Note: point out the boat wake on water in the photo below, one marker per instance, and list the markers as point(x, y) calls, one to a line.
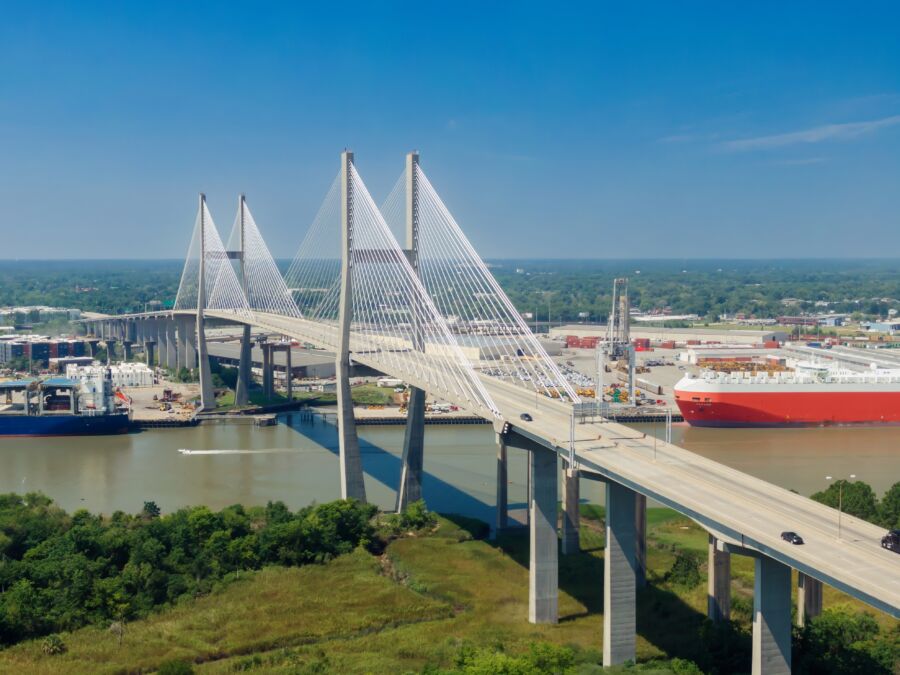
point(186, 451)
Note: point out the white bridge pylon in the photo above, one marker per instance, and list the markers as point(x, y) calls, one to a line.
point(446, 323)
point(469, 298)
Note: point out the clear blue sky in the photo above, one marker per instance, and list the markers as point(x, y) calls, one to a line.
point(551, 130)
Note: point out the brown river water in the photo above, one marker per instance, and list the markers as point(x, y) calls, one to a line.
point(296, 462)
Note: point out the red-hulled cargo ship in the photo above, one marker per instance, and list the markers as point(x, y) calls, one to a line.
point(811, 395)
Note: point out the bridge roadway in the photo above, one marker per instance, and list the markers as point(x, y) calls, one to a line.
point(739, 509)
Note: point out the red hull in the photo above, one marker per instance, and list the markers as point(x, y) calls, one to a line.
point(774, 409)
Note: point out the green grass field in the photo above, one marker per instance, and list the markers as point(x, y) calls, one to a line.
point(409, 608)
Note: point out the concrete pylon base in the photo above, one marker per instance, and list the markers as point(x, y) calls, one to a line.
point(207, 395)
point(412, 459)
point(352, 483)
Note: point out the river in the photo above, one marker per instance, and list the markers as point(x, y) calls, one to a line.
point(296, 462)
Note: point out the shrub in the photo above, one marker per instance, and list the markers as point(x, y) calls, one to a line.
point(52, 645)
point(175, 667)
point(685, 569)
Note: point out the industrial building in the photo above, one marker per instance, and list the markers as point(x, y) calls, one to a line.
point(123, 375)
point(305, 363)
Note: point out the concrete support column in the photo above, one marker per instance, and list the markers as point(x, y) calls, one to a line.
point(242, 390)
point(190, 344)
point(150, 352)
point(162, 347)
point(771, 618)
point(288, 374)
point(126, 350)
point(412, 459)
point(619, 590)
point(171, 345)
point(543, 568)
point(502, 485)
point(181, 345)
point(110, 350)
point(718, 588)
point(571, 516)
point(809, 598)
point(352, 483)
point(267, 375)
point(640, 540)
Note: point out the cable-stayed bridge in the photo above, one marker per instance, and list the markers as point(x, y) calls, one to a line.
point(430, 313)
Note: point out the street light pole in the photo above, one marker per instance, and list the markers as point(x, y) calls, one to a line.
point(840, 500)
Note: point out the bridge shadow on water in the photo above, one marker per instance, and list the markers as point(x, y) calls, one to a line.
point(384, 466)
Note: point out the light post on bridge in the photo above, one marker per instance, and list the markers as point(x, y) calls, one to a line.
point(840, 483)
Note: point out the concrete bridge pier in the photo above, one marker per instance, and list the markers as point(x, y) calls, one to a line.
point(771, 618)
point(718, 589)
point(502, 521)
point(126, 350)
point(207, 395)
point(162, 338)
point(412, 459)
point(352, 482)
point(288, 373)
point(571, 516)
point(640, 540)
point(190, 343)
point(150, 352)
point(268, 375)
point(180, 344)
point(809, 598)
point(110, 350)
point(619, 583)
point(543, 567)
point(171, 345)
point(242, 389)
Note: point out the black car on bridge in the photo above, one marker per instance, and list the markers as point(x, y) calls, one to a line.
point(891, 541)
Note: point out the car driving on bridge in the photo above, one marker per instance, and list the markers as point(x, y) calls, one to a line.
point(792, 537)
point(891, 541)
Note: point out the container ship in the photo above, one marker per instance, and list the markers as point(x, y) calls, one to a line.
point(809, 395)
point(60, 406)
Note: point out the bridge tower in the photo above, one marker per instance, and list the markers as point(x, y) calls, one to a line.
point(352, 485)
point(241, 393)
point(207, 397)
point(412, 460)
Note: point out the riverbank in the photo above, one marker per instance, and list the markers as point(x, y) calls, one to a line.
point(421, 603)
